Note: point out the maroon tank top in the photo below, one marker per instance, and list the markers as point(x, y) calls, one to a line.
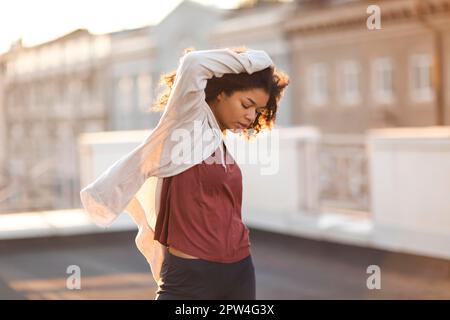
point(200, 212)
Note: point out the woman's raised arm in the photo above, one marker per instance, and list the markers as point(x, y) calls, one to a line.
point(196, 67)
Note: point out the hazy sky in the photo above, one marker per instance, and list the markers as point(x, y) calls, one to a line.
point(43, 20)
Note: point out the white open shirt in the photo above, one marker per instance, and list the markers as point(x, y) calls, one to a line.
point(133, 183)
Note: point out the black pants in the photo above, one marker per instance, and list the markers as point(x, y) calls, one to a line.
point(192, 279)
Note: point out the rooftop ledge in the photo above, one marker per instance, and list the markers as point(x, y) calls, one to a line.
point(433, 132)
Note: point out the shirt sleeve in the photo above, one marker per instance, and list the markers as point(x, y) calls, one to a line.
point(198, 66)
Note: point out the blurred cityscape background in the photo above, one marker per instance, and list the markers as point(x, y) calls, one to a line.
point(364, 145)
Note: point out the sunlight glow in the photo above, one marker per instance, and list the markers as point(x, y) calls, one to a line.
point(44, 20)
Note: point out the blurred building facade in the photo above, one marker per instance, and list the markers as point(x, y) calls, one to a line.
point(345, 79)
point(130, 80)
point(188, 25)
point(51, 93)
point(2, 133)
point(349, 79)
point(80, 82)
point(139, 57)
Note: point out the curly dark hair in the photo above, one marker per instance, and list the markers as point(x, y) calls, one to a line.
point(271, 80)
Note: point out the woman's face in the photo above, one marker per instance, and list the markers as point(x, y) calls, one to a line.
point(239, 110)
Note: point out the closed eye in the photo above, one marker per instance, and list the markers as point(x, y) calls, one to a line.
point(258, 109)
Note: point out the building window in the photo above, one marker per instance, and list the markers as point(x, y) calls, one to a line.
point(125, 86)
point(421, 81)
point(144, 83)
point(383, 87)
point(40, 146)
point(349, 82)
point(317, 84)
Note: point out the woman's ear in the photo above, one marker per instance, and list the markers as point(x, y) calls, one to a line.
point(220, 96)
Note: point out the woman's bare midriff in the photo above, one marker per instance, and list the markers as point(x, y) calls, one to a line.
point(181, 254)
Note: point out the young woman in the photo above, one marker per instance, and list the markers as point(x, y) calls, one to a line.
point(189, 212)
point(214, 262)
